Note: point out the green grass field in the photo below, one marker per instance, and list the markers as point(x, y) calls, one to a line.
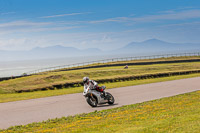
point(173, 114)
point(138, 61)
point(9, 97)
point(47, 80)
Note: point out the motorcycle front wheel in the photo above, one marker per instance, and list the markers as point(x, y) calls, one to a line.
point(111, 99)
point(91, 101)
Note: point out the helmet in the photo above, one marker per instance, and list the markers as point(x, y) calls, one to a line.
point(85, 80)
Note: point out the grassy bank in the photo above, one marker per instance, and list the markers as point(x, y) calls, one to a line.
point(173, 114)
point(47, 80)
point(135, 60)
point(39, 94)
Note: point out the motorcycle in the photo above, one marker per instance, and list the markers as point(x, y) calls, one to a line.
point(94, 97)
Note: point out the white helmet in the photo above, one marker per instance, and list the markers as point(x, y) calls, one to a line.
point(85, 80)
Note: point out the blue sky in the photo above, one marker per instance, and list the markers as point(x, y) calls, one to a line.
point(104, 24)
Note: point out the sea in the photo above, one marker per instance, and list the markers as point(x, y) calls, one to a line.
point(17, 68)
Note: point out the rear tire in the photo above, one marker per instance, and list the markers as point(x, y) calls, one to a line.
point(92, 102)
point(111, 99)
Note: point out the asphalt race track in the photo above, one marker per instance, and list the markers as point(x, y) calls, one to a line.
point(41, 109)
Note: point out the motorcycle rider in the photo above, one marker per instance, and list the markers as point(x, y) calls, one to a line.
point(92, 85)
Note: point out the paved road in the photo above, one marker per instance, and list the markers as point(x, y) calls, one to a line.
point(36, 110)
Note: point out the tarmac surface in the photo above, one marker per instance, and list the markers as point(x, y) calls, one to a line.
point(41, 109)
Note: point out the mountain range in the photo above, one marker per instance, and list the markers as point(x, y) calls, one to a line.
point(158, 46)
point(57, 51)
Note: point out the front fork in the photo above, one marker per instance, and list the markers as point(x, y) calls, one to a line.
point(92, 97)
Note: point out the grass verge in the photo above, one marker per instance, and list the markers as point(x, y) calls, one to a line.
point(39, 94)
point(173, 114)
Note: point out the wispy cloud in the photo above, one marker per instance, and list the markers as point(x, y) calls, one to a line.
point(62, 15)
point(167, 15)
point(23, 23)
point(117, 19)
point(177, 10)
point(28, 26)
point(182, 15)
point(6, 13)
point(49, 29)
point(182, 24)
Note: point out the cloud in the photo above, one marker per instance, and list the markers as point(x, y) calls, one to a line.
point(6, 13)
point(28, 26)
point(23, 23)
point(117, 19)
point(196, 23)
point(101, 40)
point(16, 35)
point(62, 15)
point(166, 15)
point(182, 15)
point(177, 10)
point(13, 43)
point(49, 29)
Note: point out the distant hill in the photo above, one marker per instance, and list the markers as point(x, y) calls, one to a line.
point(56, 51)
point(157, 46)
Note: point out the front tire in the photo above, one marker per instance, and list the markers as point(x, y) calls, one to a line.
point(111, 99)
point(91, 101)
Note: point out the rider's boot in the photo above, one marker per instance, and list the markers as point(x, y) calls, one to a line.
point(104, 94)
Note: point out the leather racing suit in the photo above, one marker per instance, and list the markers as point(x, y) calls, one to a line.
point(93, 85)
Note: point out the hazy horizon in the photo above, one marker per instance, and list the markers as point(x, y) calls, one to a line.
point(97, 48)
point(152, 46)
